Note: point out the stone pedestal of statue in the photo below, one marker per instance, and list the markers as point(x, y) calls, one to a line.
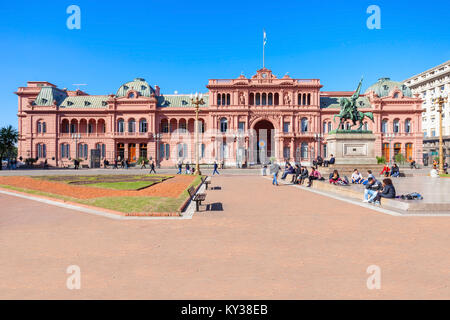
point(352, 147)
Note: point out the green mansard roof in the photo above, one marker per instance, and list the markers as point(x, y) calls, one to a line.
point(48, 95)
point(178, 100)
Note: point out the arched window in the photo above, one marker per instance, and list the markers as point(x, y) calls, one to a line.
point(251, 99)
point(223, 125)
point(73, 126)
point(276, 98)
point(264, 99)
point(304, 124)
point(131, 125)
point(41, 127)
point(324, 127)
point(396, 126)
point(120, 125)
point(65, 126)
point(309, 99)
point(270, 98)
point(182, 126)
point(304, 99)
point(143, 126)
point(64, 150)
point(228, 99)
point(304, 150)
point(120, 151)
point(258, 99)
point(223, 99)
point(164, 126)
point(219, 99)
point(408, 126)
point(329, 126)
point(299, 98)
point(384, 126)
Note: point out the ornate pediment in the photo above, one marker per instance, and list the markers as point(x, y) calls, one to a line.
point(264, 74)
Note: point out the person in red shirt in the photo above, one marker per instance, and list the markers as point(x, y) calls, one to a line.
point(385, 171)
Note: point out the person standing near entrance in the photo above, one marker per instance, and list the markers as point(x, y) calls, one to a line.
point(152, 167)
point(274, 169)
point(215, 168)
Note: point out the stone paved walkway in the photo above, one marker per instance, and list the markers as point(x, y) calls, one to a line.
point(266, 242)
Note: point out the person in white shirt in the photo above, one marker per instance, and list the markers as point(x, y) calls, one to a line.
point(434, 173)
point(357, 177)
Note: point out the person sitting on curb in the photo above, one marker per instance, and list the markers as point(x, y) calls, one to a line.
point(326, 163)
point(385, 171)
point(388, 191)
point(357, 177)
point(288, 170)
point(334, 177)
point(395, 171)
point(274, 169)
point(297, 172)
point(371, 189)
point(314, 175)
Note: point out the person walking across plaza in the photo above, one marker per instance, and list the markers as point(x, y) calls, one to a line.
point(180, 167)
point(215, 168)
point(274, 170)
point(152, 167)
point(187, 168)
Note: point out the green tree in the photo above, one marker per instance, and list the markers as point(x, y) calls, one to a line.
point(8, 139)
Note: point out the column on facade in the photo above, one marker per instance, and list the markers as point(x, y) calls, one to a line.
point(291, 149)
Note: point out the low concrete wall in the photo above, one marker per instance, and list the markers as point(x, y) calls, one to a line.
point(405, 205)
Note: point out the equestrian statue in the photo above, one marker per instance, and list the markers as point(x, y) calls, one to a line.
point(349, 110)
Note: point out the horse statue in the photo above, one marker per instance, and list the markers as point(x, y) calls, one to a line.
point(349, 110)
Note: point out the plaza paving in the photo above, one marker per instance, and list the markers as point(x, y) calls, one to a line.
point(257, 242)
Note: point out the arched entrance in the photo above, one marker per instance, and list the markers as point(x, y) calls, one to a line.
point(264, 140)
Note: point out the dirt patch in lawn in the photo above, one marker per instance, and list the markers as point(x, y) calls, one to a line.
point(171, 188)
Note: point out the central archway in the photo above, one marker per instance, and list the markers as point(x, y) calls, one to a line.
point(264, 140)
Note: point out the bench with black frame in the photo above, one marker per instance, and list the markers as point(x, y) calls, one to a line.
point(206, 182)
point(198, 198)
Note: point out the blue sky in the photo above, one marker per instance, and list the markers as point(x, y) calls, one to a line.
point(179, 45)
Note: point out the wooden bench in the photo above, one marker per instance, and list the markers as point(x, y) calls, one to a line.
point(206, 182)
point(198, 198)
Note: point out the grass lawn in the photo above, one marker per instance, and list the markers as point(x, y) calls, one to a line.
point(122, 204)
point(445, 175)
point(126, 185)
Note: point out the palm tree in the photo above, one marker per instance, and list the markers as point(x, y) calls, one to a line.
point(8, 140)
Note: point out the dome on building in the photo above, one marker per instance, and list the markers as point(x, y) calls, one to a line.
point(139, 85)
point(385, 85)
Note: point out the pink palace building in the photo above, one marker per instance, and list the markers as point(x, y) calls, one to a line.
point(244, 122)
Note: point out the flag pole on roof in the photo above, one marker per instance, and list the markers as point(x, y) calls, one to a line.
point(264, 44)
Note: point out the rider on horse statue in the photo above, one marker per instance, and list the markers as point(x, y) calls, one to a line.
point(349, 110)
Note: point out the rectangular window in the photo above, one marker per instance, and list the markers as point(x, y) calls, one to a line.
point(165, 127)
point(286, 152)
point(161, 151)
point(286, 126)
point(241, 126)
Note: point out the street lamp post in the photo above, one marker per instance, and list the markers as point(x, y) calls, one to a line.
point(440, 102)
point(197, 100)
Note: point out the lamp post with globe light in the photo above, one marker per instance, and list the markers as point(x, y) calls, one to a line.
point(440, 102)
point(197, 101)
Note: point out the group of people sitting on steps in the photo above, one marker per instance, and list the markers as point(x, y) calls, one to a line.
point(300, 174)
